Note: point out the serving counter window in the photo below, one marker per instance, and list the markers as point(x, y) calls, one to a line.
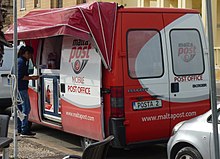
point(50, 76)
point(51, 53)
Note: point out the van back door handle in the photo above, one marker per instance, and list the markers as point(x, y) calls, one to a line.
point(4, 75)
point(62, 88)
point(174, 87)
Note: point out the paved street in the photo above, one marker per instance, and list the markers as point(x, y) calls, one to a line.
point(61, 143)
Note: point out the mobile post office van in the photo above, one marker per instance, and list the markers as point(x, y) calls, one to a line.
point(130, 72)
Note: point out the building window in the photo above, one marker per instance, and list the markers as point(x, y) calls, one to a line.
point(56, 3)
point(36, 3)
point(60, 3)
point(53, 4)
point(81, 1)
point(23, 4)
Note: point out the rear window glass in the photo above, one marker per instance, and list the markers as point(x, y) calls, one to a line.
point(6, 59)
point(187, 52)
point(144, 54)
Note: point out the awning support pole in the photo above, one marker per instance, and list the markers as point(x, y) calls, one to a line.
point(212, 80)
point(15, 71)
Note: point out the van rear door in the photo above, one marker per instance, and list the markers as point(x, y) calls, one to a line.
point(189, 83)
point(146, 88)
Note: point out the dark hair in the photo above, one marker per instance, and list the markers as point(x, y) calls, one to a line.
point(23, 49)
point(29, 49)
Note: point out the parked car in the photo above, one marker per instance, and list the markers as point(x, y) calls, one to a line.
point(6, 65)
point(193, 139)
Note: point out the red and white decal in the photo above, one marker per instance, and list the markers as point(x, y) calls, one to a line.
point(80, 71)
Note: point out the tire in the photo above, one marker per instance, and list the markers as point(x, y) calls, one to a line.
point(188, 153)
point(85, 142)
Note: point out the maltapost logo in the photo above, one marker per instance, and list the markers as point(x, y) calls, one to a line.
point(186, 51)
point(79, 55)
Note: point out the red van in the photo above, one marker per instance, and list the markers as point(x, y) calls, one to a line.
point(130, 72)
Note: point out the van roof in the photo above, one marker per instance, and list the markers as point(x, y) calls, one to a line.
point(157, 10)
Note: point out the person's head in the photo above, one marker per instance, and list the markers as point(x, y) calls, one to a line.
point(21, 51)
point(26, 52)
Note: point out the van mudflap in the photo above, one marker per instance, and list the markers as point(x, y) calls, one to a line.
point(117, 128)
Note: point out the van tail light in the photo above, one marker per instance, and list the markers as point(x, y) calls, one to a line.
point(117, 102)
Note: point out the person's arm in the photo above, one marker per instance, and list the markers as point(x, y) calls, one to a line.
point(21, 73)
point(30, 78)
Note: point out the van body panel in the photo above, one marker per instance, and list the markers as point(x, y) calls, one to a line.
point(81, 99)
point(34, 114)
point(188, 65)
point(160, 88)
point(140, 87)
point(113, 78)
point(87, 122)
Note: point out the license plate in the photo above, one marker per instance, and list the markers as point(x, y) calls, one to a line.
point(147, 104)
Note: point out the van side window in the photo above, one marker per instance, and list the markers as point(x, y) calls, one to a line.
point(187, 52)
point(6, 57)
point(144, 51)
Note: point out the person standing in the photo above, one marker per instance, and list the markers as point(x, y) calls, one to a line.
point(24, 54)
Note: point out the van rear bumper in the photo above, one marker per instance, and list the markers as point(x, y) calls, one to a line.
point(117, 128)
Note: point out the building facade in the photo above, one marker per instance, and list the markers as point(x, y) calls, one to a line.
point(25, 6)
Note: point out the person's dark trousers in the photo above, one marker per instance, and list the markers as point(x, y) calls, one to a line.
point(23, 126)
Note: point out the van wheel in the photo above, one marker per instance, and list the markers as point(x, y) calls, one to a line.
point(188, 153)
point(85, 142)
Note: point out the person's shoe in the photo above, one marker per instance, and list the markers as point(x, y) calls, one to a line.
point(18, 133)
point(30, 134)
point(18, 137)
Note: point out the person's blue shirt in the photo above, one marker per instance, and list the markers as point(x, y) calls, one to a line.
point(22, 71)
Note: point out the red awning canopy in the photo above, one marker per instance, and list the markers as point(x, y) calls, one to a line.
point(96, 20)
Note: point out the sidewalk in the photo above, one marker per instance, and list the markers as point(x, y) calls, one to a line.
point(28, 148)
point(32, 150)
